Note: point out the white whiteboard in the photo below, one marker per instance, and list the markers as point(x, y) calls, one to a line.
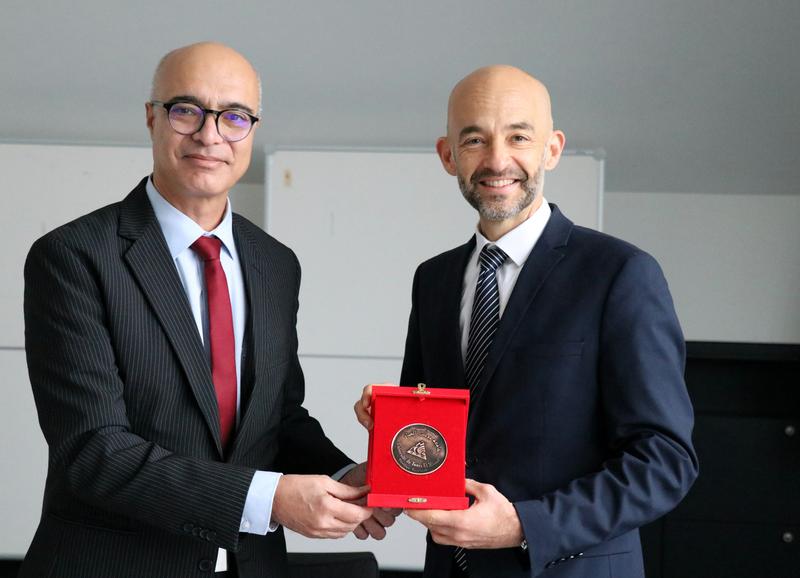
point(47, 186)
point(23, 458)
point(360, 223)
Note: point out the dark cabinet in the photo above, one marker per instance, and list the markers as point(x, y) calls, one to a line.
point(702, 549)
point(742, 516)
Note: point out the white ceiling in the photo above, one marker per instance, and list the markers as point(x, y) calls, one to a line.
point(683, 95)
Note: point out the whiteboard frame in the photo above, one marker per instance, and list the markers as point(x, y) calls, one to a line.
point(345, 371)
point(576, 186)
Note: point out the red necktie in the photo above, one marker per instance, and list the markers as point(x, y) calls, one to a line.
point(220, 330)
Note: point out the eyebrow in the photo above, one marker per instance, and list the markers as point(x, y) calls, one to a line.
point(522, 126)
point(469, 130)
point(222, 106)
point(514, 126)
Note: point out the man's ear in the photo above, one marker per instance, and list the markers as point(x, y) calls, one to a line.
point(446, 155)
point(150, 114)
point(555, 146)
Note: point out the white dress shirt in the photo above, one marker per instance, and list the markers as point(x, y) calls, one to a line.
point(517, 244)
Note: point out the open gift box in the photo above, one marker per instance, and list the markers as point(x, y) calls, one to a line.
point(417, 448)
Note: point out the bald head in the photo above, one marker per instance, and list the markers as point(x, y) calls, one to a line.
point(500, 141)
point(208, 55)
point(495, 87)
point(195, 170)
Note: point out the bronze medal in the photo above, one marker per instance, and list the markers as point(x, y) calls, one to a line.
point(419, 449)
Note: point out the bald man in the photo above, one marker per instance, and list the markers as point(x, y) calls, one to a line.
point(579, 427)
point(161, 346)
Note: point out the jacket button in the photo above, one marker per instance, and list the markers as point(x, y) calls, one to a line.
point(187, 528)
point(211, 535)
point(788, 537)
point(206, 565)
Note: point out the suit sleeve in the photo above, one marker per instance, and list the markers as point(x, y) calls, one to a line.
point(648, 420)
point(81, 405)
point(304, 448)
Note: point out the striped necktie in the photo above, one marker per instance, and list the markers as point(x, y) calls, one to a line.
point(482, 327)
point(485, 314)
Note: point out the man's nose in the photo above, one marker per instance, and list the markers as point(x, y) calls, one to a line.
point(208, 133)
point(498, 157)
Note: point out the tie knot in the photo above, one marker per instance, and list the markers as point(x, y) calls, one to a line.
point(207, 248)
point(491, 257)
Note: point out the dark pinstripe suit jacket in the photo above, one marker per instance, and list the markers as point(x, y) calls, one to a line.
point(137, 482)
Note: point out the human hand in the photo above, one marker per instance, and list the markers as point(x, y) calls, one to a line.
point(381, 519)
point(318, 507)
point(363, 407)
point(490, 522)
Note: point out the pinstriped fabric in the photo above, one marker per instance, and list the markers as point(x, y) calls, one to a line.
point(137, 484)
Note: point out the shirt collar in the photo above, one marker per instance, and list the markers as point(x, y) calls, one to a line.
point(180, 231)
point(519, 241)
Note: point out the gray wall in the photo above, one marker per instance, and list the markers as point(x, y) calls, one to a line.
point(731, 260)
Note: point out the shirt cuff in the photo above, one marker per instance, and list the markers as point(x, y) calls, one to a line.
point(257, 513)
point(341, 473)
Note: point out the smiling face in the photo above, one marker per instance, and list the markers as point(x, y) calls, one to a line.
point(198, 168)
point(500, 141)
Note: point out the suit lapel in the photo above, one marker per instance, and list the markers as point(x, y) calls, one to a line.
point(151, 264)
point(450, 311)
point(541, 262)
point(258, 344)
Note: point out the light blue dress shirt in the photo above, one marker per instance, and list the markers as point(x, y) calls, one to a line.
point(180, 232)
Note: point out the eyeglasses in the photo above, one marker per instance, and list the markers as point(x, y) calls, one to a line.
point(187, 118)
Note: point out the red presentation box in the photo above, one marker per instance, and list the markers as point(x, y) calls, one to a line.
point(417, 448)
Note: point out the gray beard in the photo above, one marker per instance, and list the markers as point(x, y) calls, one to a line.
point(492, 212)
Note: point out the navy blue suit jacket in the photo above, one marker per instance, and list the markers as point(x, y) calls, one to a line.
point(581, 418)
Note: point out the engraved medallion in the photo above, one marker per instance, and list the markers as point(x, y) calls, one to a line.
point(419, 449)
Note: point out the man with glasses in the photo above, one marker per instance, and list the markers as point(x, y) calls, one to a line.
point(162, 352)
